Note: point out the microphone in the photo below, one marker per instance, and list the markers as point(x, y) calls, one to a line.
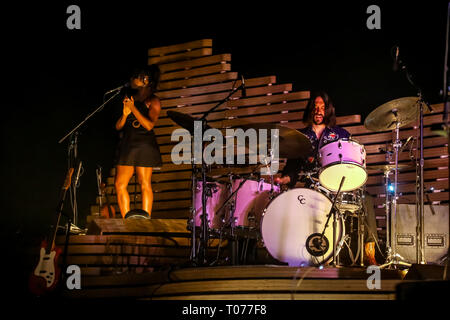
point(396, 61)
point(244, 91)
point(118, 88)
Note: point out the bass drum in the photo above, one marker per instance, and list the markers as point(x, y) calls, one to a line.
point(292, 225)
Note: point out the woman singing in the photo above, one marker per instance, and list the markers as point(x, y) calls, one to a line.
point(137, 146)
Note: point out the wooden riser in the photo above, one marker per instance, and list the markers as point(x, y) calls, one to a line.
point(242, 282)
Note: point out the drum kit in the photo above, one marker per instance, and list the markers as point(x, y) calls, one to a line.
point(301, 226)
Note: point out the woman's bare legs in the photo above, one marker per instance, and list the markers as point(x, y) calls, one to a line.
point(144, 176)
point(123, 176)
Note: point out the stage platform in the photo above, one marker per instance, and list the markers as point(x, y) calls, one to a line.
point(155, 265)
point(250, 282)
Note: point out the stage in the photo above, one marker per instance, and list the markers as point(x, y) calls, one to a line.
point(146, 260)
point(130, 259)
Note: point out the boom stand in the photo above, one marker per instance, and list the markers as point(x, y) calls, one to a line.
point(73, 154)
point(202, 259)
point(420, 213)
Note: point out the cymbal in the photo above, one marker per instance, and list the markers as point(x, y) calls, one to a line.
point(389, 167)
point(385, 117)
point(183, 120)
point(292, 143)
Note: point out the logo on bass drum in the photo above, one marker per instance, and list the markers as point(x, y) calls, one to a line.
point(301, 199)
point(317, 244)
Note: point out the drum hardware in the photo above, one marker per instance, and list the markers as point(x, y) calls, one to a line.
point(333, 212)
point(393, 258)
point(394, 115)
point(191, 221)
point(314, 182)
point(229, 222)
point(406, 110)
point(361, 240)
point(341, 245)
point(189, 123)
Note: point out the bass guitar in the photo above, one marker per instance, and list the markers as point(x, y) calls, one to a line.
point(46, 275)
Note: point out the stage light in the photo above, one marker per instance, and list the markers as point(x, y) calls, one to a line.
point(391, 188)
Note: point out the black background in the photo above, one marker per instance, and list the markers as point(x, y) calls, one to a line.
point(56, 76)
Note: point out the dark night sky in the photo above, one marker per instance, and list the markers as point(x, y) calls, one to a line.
point(58, 76)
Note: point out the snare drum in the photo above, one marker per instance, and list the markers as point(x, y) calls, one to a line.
point(217, 194)
point(250, 201)
point(349, 201)
point(343, 158)
point(292, 225)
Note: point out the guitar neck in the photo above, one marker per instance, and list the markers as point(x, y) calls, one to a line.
point(59, 209)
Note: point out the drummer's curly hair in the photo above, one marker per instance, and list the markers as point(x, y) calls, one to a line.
point(330, 114)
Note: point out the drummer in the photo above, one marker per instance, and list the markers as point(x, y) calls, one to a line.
point(321, 129)
point(320, 120)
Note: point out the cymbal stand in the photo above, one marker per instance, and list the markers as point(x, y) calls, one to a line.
point(361, 218)
point(192, 222)
point(266, 162)
point(393, 258)
point(202, 258)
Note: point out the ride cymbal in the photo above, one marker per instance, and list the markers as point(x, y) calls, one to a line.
point(402, 111)
point(292, 143)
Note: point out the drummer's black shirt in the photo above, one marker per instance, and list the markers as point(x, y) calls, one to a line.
point(311, 161)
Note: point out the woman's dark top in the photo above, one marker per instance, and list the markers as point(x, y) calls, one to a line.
point(138, 146)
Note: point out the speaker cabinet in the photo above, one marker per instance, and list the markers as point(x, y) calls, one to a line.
point(436, 232)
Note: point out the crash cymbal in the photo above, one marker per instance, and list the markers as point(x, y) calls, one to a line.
point(183, 120)
point(292, 143)
point(385, 117)
point(389, 167)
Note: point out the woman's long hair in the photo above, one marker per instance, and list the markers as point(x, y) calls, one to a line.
point(330, 115)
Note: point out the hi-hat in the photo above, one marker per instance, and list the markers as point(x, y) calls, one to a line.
point(183, 120)
point(388, 167)
point(292, 143)
point(402, 111)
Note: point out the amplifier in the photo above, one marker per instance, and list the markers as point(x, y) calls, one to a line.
point(436, 226)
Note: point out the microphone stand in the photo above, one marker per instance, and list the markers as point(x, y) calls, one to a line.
point(89, 116)
point(73, 154)
point(445, 116)
point(420, 220)
point(202, 259)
